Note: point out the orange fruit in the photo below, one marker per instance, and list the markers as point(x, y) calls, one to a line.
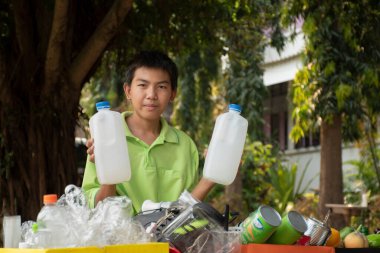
point(334, 238)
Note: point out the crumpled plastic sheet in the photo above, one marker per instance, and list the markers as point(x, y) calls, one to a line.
point(216, 242)
point(109, 223)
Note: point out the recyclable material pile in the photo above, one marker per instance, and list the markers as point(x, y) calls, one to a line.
point(187, 225)
point(70, 223)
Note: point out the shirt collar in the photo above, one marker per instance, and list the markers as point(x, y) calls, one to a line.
point(167, 133)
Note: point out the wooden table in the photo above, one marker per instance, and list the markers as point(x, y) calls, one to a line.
point(347, 210)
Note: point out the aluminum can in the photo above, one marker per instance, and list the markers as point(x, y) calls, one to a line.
point(318, 232)
point(260, 225)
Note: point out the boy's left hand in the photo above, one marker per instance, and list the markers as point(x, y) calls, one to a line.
point(90, 149)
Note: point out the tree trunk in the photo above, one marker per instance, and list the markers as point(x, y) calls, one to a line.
point(39, 97)
point(331, 179)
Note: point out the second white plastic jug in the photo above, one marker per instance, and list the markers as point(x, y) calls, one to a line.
point(111, 150)
point(226, 146)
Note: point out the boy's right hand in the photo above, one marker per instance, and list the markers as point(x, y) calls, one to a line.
point(90, 149)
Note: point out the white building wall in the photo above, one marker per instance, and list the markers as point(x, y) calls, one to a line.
point(313, 154)
point(282, 67)
point(279, 68)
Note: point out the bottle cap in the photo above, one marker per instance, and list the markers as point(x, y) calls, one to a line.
point(35, 227)
point(50, 198)
point(102, 105)
point(234, 107)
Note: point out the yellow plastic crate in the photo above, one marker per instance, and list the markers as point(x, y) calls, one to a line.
point(58, 250)
point(128, 248)
point(138, 248)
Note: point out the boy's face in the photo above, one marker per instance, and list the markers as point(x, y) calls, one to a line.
point(150, 92)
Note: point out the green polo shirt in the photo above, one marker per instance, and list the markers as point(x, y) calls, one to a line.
point(159, 172)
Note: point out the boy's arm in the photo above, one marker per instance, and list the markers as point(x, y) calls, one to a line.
point(94, 191)
point(104, 192)
point(201, 190)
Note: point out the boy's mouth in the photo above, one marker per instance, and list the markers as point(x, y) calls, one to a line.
point(151, 107)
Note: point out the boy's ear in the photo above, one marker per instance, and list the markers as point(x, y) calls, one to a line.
point(127, 90)
point(174, 93)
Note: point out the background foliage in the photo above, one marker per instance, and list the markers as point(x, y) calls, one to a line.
point(335, 90)
point(341, 73)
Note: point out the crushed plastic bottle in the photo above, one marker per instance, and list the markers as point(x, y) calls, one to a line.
point(53, 230)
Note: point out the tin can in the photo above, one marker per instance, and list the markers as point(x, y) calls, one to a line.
point(260, 225)
point(292, 227)
point(318, 232)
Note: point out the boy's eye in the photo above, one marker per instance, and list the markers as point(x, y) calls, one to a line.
point(163, 86)
point(141, 84)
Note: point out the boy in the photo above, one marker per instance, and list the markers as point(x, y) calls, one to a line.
point(164, 160)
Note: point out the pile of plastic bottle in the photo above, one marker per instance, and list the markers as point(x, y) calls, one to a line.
point(68, 222)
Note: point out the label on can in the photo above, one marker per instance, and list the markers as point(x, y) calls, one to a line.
point(257, 228)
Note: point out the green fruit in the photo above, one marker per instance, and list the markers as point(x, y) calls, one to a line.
point(345, 231)
point(374, 240)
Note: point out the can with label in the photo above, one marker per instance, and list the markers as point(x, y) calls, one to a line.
point(292, 227)
point(260, 225)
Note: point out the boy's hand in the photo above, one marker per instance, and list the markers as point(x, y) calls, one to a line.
point(90, 149)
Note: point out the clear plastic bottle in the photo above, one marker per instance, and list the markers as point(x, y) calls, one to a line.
point(111, 150)
point(226, 146)
point(52, 231)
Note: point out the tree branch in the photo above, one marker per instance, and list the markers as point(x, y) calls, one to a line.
point(54, 55)
point(24, 33)
point(98, 41)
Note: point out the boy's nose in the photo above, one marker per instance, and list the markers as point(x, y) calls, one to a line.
point(152, 93)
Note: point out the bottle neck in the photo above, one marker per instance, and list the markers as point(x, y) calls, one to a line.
point(233, 111)
point(103, 109)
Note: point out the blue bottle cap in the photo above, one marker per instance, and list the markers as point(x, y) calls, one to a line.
point(102, 105)
point(234, 107)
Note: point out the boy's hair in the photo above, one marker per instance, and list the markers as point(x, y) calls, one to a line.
point(152, 59)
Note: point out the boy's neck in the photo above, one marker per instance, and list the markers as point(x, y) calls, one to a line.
point(145, 130)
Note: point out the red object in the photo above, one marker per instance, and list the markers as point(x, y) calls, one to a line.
point(174, 250)
point(304, 240)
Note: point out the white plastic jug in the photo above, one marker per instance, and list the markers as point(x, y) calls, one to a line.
point(226, 146)
point(111, 150)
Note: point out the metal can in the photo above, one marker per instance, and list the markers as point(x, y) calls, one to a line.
point(260, 225)
point(318, 232)
point(292, 227)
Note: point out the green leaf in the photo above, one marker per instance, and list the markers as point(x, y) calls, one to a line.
point(330, 68)
point(343, 93)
